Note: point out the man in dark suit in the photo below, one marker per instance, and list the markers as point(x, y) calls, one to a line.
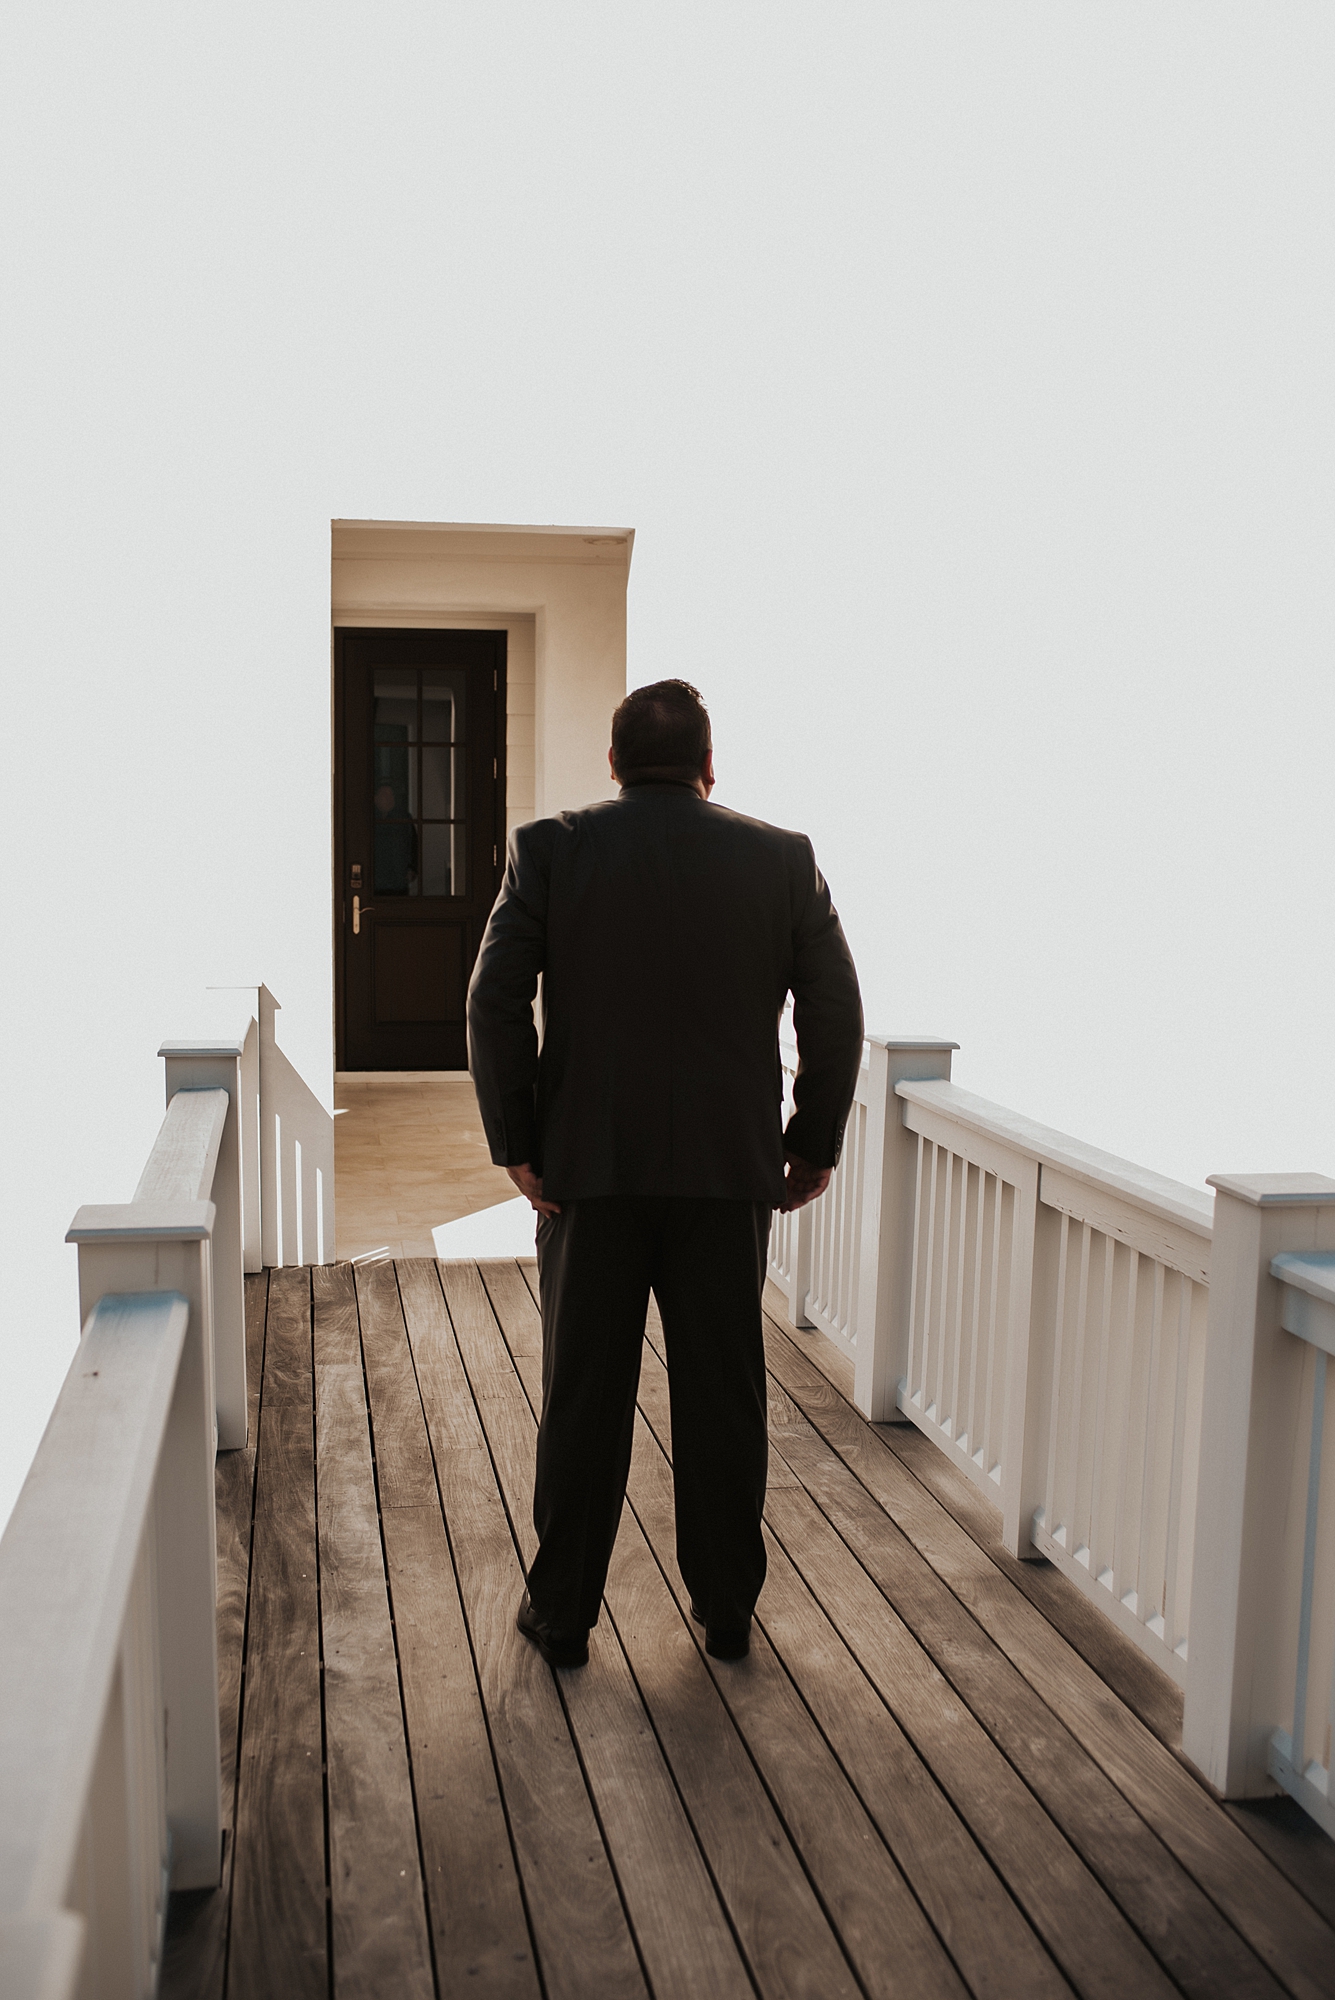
point(648, 1135)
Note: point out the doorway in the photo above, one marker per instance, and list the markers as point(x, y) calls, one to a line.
point(419, 788)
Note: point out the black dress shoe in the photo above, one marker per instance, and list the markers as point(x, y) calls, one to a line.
point(722, 1643)
point(558, 1649)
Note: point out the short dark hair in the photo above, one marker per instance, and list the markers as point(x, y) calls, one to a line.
point(661, 732)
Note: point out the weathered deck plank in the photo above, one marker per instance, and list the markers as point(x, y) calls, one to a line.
point(278, 1941)
point(583, 1940)
point(377, 1912)
point(474, 1896)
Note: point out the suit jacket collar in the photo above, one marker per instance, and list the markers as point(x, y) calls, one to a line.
point(662, 785)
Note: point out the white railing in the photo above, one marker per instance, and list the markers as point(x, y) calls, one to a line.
point(109, 1747)
point(1102, 1351)
point(1056, 1338)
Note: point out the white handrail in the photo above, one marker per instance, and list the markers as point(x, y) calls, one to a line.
point(184, 1158)
point(1171, 1201)
point(83, 1745)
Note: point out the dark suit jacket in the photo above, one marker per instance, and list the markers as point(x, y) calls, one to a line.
point(668, 933)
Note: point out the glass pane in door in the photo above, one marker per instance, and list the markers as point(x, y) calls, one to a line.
point(396, 703)
point(419, 781)
point(444, 698)
point(444, 852)
point(444, 781)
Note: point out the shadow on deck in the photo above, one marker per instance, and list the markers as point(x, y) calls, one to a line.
point(939, 1772)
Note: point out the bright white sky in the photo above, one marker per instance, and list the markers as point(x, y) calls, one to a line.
point(965, 370)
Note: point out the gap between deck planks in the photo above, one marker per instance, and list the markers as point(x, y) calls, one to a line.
point(660, 1822)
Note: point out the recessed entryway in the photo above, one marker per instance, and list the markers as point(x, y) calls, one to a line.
point(476, 669)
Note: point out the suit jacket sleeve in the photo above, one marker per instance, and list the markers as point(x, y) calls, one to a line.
point(827, 1018)
point(502, 1038)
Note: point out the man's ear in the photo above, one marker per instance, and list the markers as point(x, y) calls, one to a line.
point(610, 765)
point(707, 773)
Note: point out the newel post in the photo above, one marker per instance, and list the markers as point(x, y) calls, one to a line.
point(889, 1182)
point(251, 1240)
point(1239, 1659)
point(217, 1065)
point(149, 1246)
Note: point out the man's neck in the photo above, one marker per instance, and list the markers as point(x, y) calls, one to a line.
point(696, 785)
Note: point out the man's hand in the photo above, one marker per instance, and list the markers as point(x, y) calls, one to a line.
point(530, 1186)
point(804, 1183)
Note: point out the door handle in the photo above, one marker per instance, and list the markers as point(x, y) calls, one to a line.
point(358, 912)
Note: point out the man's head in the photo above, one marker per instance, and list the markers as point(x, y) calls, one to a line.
point(660, 734)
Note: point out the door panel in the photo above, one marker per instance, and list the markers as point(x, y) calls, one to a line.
point(419, 973)
point(420, 781)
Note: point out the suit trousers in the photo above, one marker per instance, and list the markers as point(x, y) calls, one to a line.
point(704, 1261)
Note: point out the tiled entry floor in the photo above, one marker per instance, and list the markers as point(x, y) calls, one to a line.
point(408, 1155)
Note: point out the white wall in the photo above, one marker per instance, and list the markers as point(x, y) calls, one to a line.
point(964, 370)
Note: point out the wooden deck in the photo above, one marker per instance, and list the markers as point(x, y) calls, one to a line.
point(938, 1773)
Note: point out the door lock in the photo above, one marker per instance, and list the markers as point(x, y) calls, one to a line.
point(358, 909)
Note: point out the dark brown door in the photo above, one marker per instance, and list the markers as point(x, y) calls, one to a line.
point(420, 780)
